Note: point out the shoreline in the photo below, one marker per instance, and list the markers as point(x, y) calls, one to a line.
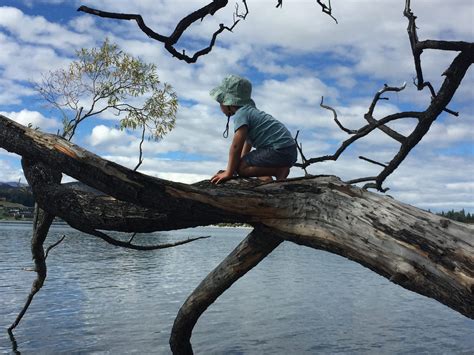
point(30, 221)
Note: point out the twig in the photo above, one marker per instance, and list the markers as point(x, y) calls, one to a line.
point(140, 148)
point(244, 15)
point(327, 9)
point(14, 342)
point(131, 238)
point(128, 245)
point(348, 131)
point(372, 161)
point(364, 179)
point(53, 246)
point(300, 150)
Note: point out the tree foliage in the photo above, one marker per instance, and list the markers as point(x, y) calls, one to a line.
point(108, 79)
point(460, 216)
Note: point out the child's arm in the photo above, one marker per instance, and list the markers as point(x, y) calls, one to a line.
point(246, 149)
point(234, 156)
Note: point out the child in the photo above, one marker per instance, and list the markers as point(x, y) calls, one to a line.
point(275, 149)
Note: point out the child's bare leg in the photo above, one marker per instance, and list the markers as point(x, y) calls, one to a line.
point(260, 171)
point(282, 173)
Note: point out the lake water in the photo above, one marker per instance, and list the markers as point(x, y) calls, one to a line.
point(103, 299)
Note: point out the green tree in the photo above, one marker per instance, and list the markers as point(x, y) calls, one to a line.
point(108, 79)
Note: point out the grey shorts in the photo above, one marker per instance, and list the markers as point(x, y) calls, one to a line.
point(272, 158)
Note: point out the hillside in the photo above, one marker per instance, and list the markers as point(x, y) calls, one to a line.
point(16, 193)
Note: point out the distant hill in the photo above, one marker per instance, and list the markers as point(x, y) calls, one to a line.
point(21, 194)
point(12, 184)
point(16, 193)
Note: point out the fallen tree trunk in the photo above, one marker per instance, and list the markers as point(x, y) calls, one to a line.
point(416, 249)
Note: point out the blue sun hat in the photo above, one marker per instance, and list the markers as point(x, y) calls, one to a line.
point(233, 91)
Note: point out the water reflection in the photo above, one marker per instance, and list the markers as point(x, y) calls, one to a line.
point(99, 298)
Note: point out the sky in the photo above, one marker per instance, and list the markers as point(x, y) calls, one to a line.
point(293, 56)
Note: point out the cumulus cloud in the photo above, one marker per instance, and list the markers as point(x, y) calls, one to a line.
point(33, 118)
point(10, 172)
point(104, 135)
point(37, 30)
point(294, 56)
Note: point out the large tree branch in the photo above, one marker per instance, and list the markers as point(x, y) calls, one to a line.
point(413, 248)
point(253, 249)
point(453, 77)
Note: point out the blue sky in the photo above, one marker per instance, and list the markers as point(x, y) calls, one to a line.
point(292, 55)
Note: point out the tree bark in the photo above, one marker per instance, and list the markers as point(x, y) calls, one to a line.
point(253, 249)
point(416, 249)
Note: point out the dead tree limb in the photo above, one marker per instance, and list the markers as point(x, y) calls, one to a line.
point(253, 249)
point(439, 102)
point(171, 40)
point(453, 78)
point(41, 224)
point(415, 249)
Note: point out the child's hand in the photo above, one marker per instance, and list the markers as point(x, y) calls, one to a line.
point(221, 176)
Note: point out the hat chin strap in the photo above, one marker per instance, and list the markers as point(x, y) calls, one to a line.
point(225, 134)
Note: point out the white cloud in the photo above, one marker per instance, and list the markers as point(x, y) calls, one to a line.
point(9, 172)
point(103, 135)
point(37, 30)
point(295, 55)
point(26, 62)
point(33, 118)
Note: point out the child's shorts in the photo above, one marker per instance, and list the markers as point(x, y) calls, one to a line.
point(272, 158)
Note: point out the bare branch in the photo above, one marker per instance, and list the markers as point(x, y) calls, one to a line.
point(41, 224)
point(372, 161)
point(364, 179)
point(299, 146)
point(362, 132)
point(253, 249)
point(379, 93)
point(327, 9)
point(454, 75)
point(244, 15)
point(140, 148)
point(181, 27)
point(128, 244)
point(14, 342)
point(53, 246)
point(348, 131)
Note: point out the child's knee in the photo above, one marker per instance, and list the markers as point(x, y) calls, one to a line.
point(242, 169)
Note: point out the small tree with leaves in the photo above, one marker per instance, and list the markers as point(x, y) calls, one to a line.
point(108, 79)
point(100, 80)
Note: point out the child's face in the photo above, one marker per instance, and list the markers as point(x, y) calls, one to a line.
point(226, 110)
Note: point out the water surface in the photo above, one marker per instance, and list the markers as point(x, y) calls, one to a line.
point(103, 299)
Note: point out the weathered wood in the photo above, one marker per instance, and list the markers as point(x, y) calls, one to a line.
point(253, 249)
point(41, 226)
point(413, 248)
